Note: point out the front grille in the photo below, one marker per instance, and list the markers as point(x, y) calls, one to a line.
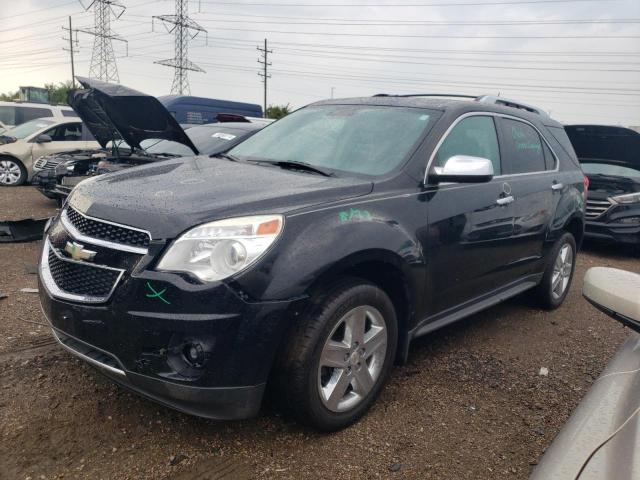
point(107, 231)
point(596, 208)
point(80, 278)
point(44, 163)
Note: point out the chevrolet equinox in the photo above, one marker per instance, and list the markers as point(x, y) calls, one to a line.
point(306, 258)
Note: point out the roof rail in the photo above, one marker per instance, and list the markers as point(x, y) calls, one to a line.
point(446, 95)
point(491, 99)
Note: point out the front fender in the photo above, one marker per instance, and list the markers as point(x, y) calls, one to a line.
point(318, 243)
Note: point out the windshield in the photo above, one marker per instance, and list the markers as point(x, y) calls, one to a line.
point(212, 138)
point(29, 128)
point(608, 169)
point(157, 146)
point(361, 139)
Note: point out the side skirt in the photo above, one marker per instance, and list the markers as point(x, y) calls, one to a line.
point(476, 305)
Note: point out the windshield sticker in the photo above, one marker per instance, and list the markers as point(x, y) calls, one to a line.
point(224, 136)
point(155, 294)
point(354, 214)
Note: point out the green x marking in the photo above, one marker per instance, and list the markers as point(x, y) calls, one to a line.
point(158, 295)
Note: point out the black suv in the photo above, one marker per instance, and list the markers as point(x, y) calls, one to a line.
point(308, 257)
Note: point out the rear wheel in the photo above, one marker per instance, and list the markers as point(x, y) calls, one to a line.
point(339, 356)
point(12, 172)
point(555, 284)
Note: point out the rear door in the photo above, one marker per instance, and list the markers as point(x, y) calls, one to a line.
point(470, 225)
point(530, 170)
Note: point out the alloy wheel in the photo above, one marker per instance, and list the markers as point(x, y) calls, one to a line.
point(352, 359)
point(9, 172)
point(562, 269)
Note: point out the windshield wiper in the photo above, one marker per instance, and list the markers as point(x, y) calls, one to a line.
point(226, 155)
point(293, 165)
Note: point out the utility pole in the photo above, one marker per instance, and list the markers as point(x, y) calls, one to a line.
point(264, 61)
point(181, 25)
point(71, 51)
point(103, 60)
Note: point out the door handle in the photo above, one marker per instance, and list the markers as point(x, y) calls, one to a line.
point(557, 186)
point(504, 200)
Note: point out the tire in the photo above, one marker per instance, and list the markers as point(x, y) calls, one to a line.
point(304, 382)
point(12, 172)
point(552, 289)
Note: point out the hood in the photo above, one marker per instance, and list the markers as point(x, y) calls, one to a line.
point(113, 112)
point(172, 196)
point(598, 142)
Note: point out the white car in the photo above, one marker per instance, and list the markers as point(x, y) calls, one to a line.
point(16, 113)
point(21, 146)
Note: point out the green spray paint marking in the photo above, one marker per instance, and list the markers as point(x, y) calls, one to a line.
point(354, 214)
point(158, 295)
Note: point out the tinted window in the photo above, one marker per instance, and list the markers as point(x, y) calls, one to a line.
point(525, 146)
point(24, 114)
point(474, 136)
point(549, 159)
point(70, 132)
point(8, 115)
point(364, 139)
point(69, 113)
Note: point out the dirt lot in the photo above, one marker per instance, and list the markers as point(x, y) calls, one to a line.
point(469, 405)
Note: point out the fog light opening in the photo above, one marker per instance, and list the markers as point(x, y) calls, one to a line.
point(194, 354)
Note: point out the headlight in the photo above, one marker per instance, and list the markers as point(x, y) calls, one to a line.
point(217, 250)
point(627, 198)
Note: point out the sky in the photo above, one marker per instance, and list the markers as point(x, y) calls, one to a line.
point(577, 59)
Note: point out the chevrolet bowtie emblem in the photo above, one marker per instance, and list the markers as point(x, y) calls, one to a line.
point(78, 252)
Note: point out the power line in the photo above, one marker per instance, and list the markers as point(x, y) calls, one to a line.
point(395, 5)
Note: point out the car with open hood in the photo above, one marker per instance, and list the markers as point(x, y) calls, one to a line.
point(610, 157)
point(306, 258)
point(127, 138)
point(22, 145)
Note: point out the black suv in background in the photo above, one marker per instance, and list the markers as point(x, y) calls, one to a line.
point(610, 158)
point(310, 255)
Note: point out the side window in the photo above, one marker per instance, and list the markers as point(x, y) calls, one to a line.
point(524, 146)
point(8, 115)
point(69, 113)
point(24, 114)
point(71, 132)
point(474, 136)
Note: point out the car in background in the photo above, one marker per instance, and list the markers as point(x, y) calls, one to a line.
point(601, 440)
point(16, 113)
point(21, 146)
point(132, 129)
point(610, 158)
point(199, 110)
point(56, 175)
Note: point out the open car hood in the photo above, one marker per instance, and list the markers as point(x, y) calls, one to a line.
point(615, 145)
point(112, 112)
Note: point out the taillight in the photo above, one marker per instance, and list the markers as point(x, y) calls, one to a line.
point(585, 180)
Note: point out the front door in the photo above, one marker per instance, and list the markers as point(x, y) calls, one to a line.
point(470, 225)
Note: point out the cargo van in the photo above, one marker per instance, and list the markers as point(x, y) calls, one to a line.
point(188, 110)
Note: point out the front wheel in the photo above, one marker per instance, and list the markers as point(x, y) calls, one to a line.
point(339, 356)
point(556, 281)
point(12, 172)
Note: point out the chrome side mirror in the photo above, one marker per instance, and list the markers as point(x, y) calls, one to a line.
point(614, 292)
point(464, 169)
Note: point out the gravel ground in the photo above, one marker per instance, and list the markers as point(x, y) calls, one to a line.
point(470, 403)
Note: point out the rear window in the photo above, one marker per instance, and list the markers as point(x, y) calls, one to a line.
point(69, 113)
